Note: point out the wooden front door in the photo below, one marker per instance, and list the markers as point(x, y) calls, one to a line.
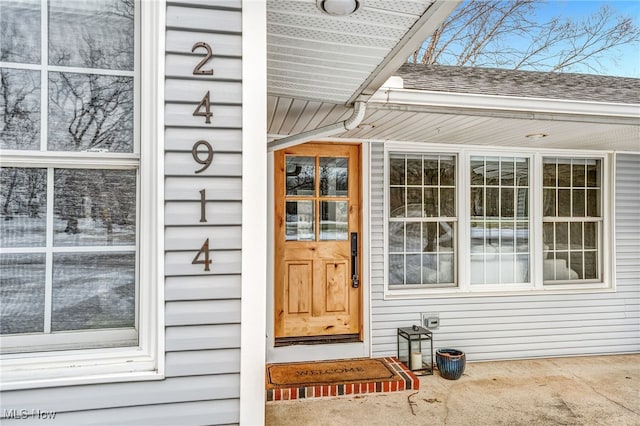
point(317, 242)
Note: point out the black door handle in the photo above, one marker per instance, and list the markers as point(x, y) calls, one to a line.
point(355, 279)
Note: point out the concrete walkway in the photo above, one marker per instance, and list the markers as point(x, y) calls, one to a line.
point(599, 390)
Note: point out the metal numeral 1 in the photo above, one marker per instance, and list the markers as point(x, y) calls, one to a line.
point(203, 205)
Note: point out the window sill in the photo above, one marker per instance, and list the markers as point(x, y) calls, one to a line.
point(52, 369)
point(416, 293)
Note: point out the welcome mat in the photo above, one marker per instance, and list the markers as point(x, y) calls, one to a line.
point(337, 377)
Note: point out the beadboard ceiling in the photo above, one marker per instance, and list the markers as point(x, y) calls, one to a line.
point(313, 55)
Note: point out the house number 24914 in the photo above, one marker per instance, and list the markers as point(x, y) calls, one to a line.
point(202, 151)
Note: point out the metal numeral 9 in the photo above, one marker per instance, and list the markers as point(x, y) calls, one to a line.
point(196, 155)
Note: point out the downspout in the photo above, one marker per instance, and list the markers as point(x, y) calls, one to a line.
point(350, 123)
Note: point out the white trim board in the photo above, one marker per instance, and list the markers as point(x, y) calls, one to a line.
point(254, 199)
point(495, 105)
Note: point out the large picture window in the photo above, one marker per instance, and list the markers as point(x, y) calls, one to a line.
point(464, 221)
point(75, 260)
point(499, 211)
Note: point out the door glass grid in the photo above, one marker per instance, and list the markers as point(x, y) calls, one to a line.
point(317, 203)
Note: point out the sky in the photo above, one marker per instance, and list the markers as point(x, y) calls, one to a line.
point(621, 61)
point(627, 63)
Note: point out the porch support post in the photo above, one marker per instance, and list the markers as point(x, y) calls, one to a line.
point(254, 199)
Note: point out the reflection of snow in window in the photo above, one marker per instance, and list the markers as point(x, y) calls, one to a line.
point(68, 230)
point(422, 219)
point(508, 243)
point(499, 210)
point(313, 178)
point(572, 219)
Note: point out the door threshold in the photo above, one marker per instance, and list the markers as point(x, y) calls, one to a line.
point(316, 340)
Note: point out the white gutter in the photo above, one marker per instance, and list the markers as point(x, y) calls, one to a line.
point(534, 108)
point(350, 123)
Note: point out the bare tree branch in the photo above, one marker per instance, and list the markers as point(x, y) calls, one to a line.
point(500, 33)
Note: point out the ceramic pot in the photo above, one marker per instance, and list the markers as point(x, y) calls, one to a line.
point(451, 363)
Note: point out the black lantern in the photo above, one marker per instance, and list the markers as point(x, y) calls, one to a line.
point(415, 349)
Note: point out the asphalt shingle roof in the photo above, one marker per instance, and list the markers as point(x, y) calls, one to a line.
point(533, 84)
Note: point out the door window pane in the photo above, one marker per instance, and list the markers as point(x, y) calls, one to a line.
point(334, 177)
point(334, 220)
point(300, 225)
point(301, 176)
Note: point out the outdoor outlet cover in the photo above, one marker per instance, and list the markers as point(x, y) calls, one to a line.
point(430, 321)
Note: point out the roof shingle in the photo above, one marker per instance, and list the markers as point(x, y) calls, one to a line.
point(532, 84)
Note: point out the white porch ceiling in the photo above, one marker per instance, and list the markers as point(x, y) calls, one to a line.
point(496, 131)
point(386, 122)
point(312, 55)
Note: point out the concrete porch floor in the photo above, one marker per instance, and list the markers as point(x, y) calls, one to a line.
point(594, 390)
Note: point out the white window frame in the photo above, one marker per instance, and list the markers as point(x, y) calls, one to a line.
point(432, 219)
point(145, 361)
point(535, 285)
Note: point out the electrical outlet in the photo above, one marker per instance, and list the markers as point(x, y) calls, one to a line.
point(431, 321)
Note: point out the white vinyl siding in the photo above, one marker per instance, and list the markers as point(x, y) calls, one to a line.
point(203, 307)
point(521, 325)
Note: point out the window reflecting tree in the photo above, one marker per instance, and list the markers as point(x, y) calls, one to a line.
point(71, 203)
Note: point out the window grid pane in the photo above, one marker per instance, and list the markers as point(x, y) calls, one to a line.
point(572, 219)
point(89, 108)
point(422, 222)
point(499, 210)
